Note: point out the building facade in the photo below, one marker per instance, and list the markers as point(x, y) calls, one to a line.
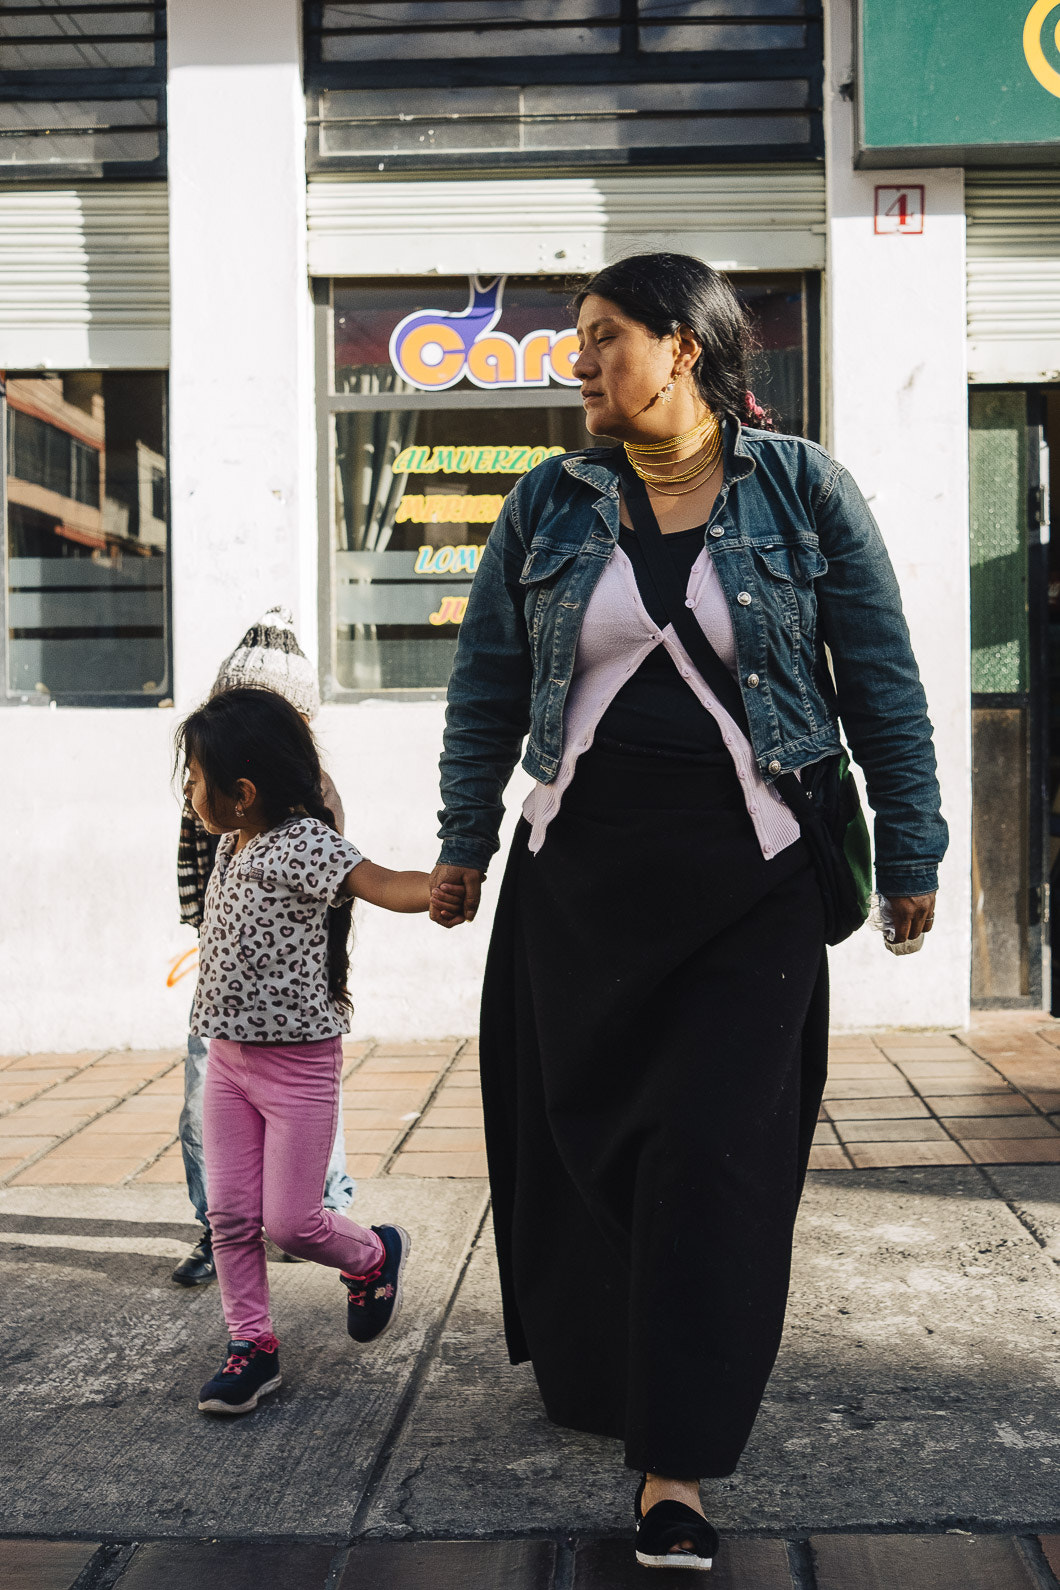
point(283, 316)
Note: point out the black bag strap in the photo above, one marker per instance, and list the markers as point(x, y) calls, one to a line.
point(672, 595)
point(672, 598)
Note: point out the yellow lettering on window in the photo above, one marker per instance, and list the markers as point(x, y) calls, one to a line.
point(449, 508)
point(451, 610)
point(472, 460)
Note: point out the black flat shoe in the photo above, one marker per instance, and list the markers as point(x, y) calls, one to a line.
point(198, 1267)
point(665, 1526)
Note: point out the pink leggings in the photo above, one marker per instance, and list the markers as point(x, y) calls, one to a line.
point(269, 1117)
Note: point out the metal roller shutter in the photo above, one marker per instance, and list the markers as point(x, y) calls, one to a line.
point(84, 277)
point(739, 217)
point(1013, 275)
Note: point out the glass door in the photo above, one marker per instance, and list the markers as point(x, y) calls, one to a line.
point(1011, 774)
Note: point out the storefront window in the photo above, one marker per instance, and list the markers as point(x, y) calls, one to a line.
point(86, 536)
point(82, 89)
point(439, 395)
point(419, 84)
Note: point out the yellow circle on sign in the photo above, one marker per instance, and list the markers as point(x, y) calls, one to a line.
point(1033, 29)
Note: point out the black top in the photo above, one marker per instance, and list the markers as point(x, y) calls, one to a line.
point(655, 711)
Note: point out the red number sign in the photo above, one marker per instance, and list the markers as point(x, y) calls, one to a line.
point(899, 210)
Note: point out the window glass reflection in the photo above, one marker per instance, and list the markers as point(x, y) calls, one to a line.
point(87, 517)
point(421, 468)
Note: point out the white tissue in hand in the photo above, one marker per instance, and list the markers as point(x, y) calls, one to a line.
point(881, 917)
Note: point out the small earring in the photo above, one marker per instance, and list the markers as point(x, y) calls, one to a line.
point(239, 811)
point(667, 392)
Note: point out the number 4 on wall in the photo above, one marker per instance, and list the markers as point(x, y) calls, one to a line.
point(899, 210)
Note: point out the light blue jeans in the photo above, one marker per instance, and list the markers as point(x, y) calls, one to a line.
point(338, 1186)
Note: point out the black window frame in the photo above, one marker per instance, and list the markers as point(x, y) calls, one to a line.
point(163, 697)
point(64, 84)
point(629, 66)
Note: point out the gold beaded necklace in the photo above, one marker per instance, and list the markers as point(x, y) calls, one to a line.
point(674, 444)
point(707, 434)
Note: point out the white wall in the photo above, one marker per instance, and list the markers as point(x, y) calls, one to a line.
point(91, 925)
point(898, 421)
point(410, 977)
point(90, 920)
point(242, 480)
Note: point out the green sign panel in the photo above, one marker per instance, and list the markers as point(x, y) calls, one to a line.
point(952, 82)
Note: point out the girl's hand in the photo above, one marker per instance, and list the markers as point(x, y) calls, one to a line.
point(468, 881)
point(913, 914)
point(447, 904)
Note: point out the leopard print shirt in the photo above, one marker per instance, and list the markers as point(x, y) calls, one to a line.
point(263, 947)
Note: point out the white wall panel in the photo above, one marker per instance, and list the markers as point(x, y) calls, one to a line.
point(84, 276)
point(898, 421)
point(242, 477)
point(1013, 275)
point(738, 218)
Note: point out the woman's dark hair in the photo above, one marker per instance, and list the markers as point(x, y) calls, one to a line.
point(667, 291)
point(258, 735)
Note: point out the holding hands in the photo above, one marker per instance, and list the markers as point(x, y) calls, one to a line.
point(445, 899)
point(455, 893)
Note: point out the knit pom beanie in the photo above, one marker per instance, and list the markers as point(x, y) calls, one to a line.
point(270, 658)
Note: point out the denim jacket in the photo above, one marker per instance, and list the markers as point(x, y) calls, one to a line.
point(802, 564)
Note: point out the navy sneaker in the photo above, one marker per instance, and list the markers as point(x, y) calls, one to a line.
point(374, 1299)
point(246, 1375)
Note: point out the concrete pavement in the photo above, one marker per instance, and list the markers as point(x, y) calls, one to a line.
point(910, 1432)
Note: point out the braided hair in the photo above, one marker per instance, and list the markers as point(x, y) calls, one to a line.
point(667, 291)
point(257, 735)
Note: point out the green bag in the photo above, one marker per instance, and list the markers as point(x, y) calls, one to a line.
point(826, 802)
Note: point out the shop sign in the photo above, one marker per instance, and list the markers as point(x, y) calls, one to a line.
point(959, 82)
point(433, 349)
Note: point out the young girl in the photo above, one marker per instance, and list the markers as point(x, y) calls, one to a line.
point(272, 1000)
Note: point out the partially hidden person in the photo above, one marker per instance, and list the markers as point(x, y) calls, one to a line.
point(272, 1002)
point(654, 1029)
point(270, 658)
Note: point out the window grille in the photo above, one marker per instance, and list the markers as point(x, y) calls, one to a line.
point(82, 89)
point(395, 85)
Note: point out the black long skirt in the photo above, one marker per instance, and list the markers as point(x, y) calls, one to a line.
point(654, 1047)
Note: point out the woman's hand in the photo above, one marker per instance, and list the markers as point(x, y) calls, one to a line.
point(913, 914)
point(445, 882)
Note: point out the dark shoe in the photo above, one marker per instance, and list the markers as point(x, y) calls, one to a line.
point(246, 1374)
point(198, 1267)
point(667, 1525)
point(374, 1299)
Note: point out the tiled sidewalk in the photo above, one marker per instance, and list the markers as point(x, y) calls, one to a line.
point(110, 1119)
point(955, 1561)
point(989, 1096)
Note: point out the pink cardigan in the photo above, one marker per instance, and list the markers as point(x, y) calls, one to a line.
point(617, 634)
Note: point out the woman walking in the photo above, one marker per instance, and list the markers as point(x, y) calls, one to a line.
point(655, 1009)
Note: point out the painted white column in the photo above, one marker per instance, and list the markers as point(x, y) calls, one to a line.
point(897, 409)
point(242, 460)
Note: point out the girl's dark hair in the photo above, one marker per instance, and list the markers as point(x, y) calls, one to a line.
point(667, 291)
point(258, 735)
